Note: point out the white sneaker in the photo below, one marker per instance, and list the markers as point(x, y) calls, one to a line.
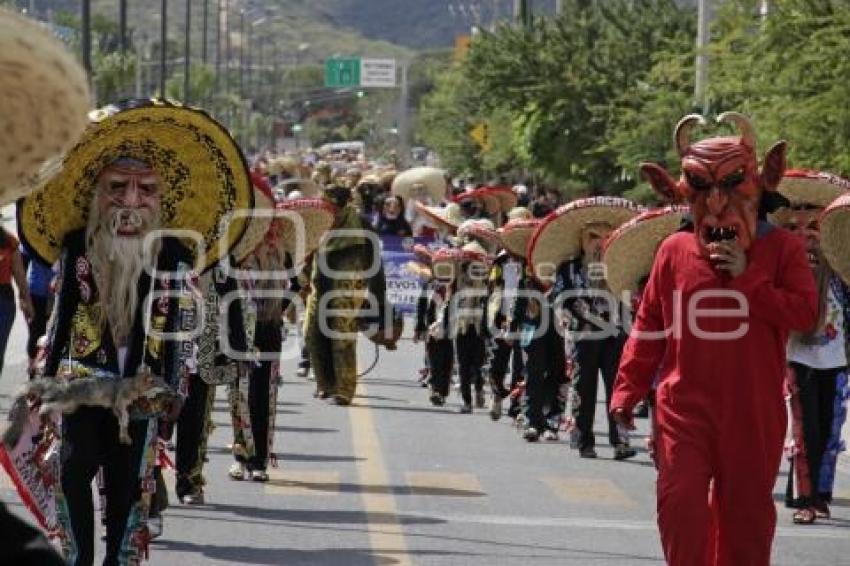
point(237, 471)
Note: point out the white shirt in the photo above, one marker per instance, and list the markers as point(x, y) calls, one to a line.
point(826, 350)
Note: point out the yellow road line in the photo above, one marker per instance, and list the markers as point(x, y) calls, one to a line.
point(386, 535)
point(302, 482)
point(593, 491)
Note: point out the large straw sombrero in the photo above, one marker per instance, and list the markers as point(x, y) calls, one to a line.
point(316, 215)
point(507, 198)
point(258, 222)
point(419, 182)
point(307, 187)
point(519, 213)
point(516, 234)
point(558, 238)
point(203, 172)
point(487, 197)
point(835, 235)
point(480, 230)
point(448, 216)
point(813, 188)
point(44, 101)
point(630, 250)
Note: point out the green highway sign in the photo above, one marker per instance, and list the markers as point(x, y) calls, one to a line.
point(340, 73)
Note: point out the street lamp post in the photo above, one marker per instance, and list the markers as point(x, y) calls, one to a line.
point(242, 54)
point(701, 82)
point(122, 26)
point(206, 4)
point(85, 43)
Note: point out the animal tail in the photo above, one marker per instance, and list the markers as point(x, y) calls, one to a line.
point(19, 412)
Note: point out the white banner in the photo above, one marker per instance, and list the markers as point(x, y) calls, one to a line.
point(377, 73)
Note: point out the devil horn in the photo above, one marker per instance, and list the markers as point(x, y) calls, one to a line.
point(683, 131)
point(748, 132)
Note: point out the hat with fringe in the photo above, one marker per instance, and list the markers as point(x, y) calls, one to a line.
point(441, 217)
point(835, 234)
point(259, 221)
point(204, 177)
point(558, 237)
point(629, 251)
point(516, 234)
point(420, 182)
point(44, 102)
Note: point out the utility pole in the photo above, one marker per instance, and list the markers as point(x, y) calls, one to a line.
point(403, 141)
point(559, 7)
point(218, 44)
point(522, 12)
point(228, 47)
point(122, 26)
point(163, 38)
point(86, 39)
point(138, 69)
point(187, 52)
point(701, 82)
point(204, 38)
point(242, 54)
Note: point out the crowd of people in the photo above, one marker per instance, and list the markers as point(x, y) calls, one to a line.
point(162, 266)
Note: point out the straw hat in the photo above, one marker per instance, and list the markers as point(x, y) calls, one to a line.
point(516, 234)
point(630, 250)
point(317, 216)
point(284, 164)
point(204, 177)
point(519, 213)
point(480, 230)
point(419, 182)
point(448, 216)
point(814, 188)
point(558, 237)
point(259, 222)
point(423, 253)
point(487, 197)
point(835, 234)
point(44, 100)
point(507, 198)
point(307, 187)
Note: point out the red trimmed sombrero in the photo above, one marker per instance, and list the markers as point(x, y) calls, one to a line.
point(835, 235)
point(629, 251)
point(317, 217)
point(558, 238)
point(482, 231)
point(487, 197)
point(516, 234)
point(814, 188)
point(507, 198)
point(258, 223)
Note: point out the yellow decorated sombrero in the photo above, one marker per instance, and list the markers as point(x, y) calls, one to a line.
point(204, 177)
point(44, 100)
point(516, 234)
point(558, 238)
point(630, 250)
point(835, 234)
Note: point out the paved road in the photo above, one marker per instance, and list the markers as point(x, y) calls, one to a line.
point(392, 480)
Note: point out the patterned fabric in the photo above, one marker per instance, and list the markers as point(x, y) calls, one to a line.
point(835, 444)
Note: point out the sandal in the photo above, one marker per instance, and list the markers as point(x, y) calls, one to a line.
point(822, 510)
point(805, 516)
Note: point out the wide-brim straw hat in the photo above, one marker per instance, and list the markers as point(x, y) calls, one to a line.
point(507, 198)
point(441, 217)
point(259, 220)
point(487, 197)
point(423, 253)
point(630, 250)
point(283, 164)
point(316, 215)
point(558, 238)
point(480, 230)
point(804, 187)
point(516, 234)
point(835, 235)
point(203, 173)
point(420, 182)
point(44, 104)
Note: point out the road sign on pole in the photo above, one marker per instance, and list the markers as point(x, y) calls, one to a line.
point(340, 73)
point(378, 73)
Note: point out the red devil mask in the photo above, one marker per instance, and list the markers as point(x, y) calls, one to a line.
point(720, 180)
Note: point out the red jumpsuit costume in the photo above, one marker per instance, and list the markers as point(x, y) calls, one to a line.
point(721, 416)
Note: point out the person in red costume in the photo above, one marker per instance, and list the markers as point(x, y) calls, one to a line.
point(713, 325)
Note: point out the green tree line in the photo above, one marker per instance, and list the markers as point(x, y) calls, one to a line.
point(580, 100)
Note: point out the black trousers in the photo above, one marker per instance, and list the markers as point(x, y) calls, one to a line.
point(38, 324)
point(817, 402)
point(89, 441)
point(545, 373)
point(470, 358)
point(504, 354)
point(441, 361)
point(595, 357)
point(191, 433)
point(268, 341)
